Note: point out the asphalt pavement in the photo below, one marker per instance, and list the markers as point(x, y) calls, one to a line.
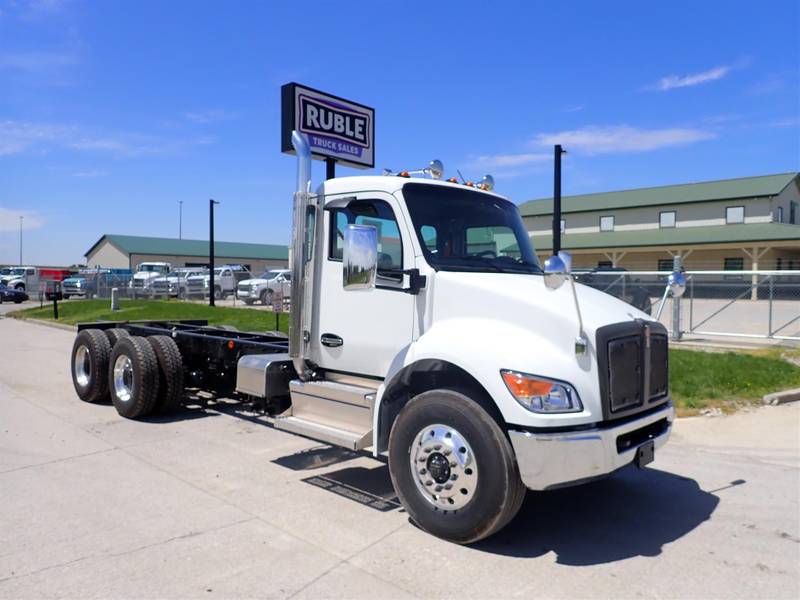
point(214, 502)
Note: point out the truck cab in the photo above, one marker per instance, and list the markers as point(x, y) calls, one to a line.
point(424, 328)
point(146, 273)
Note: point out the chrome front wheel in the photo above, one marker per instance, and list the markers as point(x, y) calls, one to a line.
point(444, 466)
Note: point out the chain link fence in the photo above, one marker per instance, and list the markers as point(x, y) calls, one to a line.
point(743, 304)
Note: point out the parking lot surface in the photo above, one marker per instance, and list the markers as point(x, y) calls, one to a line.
point(214, 502)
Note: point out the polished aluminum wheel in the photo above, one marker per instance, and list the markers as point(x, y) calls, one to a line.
point(123, 378)
point(444, 467)
point(82, 366)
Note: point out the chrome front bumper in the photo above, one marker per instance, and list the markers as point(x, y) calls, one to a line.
point(548, 460)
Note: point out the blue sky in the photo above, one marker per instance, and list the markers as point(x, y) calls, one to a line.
point(111, 112)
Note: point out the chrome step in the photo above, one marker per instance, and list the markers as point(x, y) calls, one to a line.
point(331, 411)
point(324, 433)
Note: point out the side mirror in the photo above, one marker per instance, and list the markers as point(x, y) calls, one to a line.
point(557, 270)
point(676, 283)
point(360, 257)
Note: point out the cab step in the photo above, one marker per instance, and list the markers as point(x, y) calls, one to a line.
point(330, 411)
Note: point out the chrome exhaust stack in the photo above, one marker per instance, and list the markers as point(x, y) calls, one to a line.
point(302, 268)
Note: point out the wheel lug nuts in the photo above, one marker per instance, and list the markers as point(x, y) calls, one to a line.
point(453, 463)
point(429, 482)
point(423, 471)
point(453, 477)
point(437, 447)
point(448, 486)
point(438, 488)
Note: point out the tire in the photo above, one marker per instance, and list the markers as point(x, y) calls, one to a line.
point(488, 491)
point(266, 297)
point(170, 374)
point(217, 293)
point(115, 334)
point(91, 352)
point(133, 377)
point(181, 294)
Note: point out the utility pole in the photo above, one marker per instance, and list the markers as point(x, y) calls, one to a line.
point(211, 204)
point(20, 239)
point(180, 219)
point(558, 151)
point(330, 168)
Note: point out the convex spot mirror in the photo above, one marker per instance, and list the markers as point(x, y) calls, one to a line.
point(557, 270)
point(360, 257)
point(677, 284)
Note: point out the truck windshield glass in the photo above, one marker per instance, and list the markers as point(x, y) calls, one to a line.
point(466, 230)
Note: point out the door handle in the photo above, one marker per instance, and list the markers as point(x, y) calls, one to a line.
point(331, 340)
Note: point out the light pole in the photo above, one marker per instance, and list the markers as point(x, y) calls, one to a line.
point(558, 151)
point(180, 219)
point(211, 204)
point(20, 239)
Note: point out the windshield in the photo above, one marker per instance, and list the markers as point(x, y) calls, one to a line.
point(465, 230)
point(12, 271)
point(154, 268)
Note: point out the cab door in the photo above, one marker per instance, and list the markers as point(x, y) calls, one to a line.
point(361, 332)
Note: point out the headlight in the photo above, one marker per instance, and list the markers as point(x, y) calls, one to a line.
point(78, 284)
point(542, 395)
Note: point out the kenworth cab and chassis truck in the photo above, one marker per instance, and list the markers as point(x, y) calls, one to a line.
point(542, 383)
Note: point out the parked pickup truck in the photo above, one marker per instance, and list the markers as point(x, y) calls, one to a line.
point(146, 274)
point(88, 282)
point(226, 280)
point(540, 384)
point(264, 287)
point(175, 284)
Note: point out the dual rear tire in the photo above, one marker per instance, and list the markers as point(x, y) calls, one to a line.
point(140, 375)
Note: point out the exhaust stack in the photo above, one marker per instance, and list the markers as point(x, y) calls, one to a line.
point(302, 268)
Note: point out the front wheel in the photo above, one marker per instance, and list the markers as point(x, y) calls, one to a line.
point(217, 293)
point(266, 297)
point(453, 467)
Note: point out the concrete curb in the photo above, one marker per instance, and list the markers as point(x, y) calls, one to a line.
point(63, 326)
point(782, 397)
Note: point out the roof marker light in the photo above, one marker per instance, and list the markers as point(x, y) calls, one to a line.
point(487, 183)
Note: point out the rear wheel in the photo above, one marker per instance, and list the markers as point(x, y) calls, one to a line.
point(90, 356)
point(115, 334)
point(453, 467)
point(170, 372)
point(133, 377)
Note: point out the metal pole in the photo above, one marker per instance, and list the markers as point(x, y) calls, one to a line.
point(330, 168)
point(20, 239)
point(676, 302)
point(769, 324)
point(211, 204)
point(557, 152)
point(180, 219)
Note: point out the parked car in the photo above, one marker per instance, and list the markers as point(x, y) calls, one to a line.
point(88, 281)
point(8, 294)
point(614, 281)
point(226, 280)
point(263, 287)
point(146, 274)
point(175, 283)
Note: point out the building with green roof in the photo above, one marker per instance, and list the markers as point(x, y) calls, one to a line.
point(733, 224)
point(127, 251)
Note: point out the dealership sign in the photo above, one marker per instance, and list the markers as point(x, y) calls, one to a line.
point(335, 128)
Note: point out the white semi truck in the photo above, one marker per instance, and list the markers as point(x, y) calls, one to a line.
point(538, 384)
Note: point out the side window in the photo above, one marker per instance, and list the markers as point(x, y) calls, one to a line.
point(428, 233)
point(377, 214)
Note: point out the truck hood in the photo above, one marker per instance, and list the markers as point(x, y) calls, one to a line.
point(80, 280)
point(256, 281)
point(486, 322)
point(146, 276)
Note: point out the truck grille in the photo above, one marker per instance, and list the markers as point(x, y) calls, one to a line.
point(195, 285)
point(161, 286)
point(138, 283)
point(632, 364)
point(70, 288)
point(243, 289)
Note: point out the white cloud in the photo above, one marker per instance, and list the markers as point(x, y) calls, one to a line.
point(577, 108)
point(210, 116)
point(671, 82)
point(91, 174)
point(508, 160)
point(17, 137)
point(621, 138)
point(37, 61)
point(9, 219)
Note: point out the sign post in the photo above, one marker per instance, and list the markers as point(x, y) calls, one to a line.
point(338, 130)
point(277, 307)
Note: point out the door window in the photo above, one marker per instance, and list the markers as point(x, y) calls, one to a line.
point(377, 214)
